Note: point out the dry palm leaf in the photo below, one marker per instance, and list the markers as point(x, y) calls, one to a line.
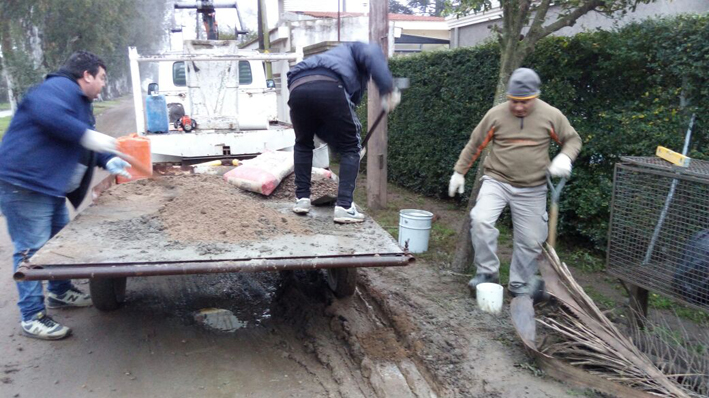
point(590, 340)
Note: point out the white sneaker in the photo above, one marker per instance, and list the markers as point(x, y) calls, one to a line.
point(302, 206)
point(71, 298)
point(347, 216)
point(42, 326)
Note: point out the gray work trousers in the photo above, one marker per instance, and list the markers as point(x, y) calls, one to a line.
point(529, 221)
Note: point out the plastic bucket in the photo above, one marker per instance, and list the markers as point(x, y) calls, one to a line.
point(489, 296)
point(415, 229)
point(139, 148)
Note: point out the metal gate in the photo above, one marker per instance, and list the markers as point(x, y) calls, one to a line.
point(659, 229)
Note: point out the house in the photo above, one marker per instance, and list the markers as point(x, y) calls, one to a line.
point(407, 33)
point(474, 29)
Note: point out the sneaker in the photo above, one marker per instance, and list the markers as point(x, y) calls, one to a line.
point(302, 206)
point(42, 326)
point(347, 216)
point(535, 288)
point(482, 278)
point(71, 298)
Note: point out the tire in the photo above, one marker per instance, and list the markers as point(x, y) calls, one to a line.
point(187, 127)
point(342, 281)
point(107, 294)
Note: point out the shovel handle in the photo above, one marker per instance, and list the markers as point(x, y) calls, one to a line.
point(554, 208)
point(369, 134)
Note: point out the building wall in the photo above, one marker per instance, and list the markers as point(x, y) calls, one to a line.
point(472, 35)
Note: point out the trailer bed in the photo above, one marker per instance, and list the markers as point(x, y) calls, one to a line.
point(133, 231)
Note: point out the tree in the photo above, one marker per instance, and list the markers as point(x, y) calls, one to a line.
point(398, 8)
point(524, 23)
point(433, 8)
point(37, 36)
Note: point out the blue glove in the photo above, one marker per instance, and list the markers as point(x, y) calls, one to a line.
point(118, 166)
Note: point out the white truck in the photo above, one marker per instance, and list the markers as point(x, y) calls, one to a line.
point(238, 112)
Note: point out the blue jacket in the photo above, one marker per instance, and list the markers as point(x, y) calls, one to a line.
point(353, 64)
point(40, 150)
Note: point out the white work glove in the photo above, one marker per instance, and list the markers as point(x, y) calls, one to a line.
point(560, 166)
point(457, 184)
point(118, 166)
point(391, 100)
point(98, 142)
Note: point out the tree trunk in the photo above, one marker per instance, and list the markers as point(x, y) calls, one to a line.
point(509, 61)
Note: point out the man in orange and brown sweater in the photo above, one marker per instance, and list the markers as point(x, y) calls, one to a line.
point(520, 131)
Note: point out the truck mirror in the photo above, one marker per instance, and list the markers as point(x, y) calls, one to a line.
point(152, 89)
point(270, 83)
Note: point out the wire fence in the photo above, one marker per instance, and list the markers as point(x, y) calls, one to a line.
point(659, 232)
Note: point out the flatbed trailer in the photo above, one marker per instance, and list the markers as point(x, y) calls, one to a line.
point(97, 246)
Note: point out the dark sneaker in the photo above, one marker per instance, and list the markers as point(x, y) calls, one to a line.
point(43, 327)
point(482, 278)
point(347, 216)
point(302, 206)
point(71, 298)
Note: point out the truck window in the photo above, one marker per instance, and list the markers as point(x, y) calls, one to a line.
point(179, 79)
point(178, 74)
point(245, 76)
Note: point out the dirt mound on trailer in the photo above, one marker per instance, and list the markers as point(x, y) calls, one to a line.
point(318, 188)
point(204, 208)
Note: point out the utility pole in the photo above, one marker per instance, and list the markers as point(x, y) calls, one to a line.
point(264, 40)
point(377, 147)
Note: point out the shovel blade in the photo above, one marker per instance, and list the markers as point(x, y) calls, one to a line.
point(324, 200)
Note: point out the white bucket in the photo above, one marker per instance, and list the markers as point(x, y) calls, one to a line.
point(489, 296)
point(415, 228)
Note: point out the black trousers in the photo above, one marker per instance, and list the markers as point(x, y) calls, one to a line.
point(323, 108)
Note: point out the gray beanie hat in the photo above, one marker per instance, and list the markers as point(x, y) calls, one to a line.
point(524, 84)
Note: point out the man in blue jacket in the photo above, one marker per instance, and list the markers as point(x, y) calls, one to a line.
point(47, 155)
point(324, 91)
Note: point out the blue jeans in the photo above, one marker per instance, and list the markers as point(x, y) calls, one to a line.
point(32, 219)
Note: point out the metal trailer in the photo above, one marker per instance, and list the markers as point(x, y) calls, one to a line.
point(90, 247)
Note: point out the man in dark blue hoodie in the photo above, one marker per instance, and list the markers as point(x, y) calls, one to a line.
point(47, 155)
point(324, 91)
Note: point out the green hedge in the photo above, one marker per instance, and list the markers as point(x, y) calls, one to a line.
point(621, 91)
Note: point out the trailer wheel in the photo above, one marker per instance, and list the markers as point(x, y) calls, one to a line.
point(107, 294)
point(342, 281)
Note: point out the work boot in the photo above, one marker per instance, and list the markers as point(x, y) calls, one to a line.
point(535, 289)
point(43, 327)
point(302, 206)
point(71, 298)
point(347, 216)
point(482, 278)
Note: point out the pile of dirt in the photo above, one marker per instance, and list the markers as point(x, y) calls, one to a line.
point(318, 188)
point(204, 208)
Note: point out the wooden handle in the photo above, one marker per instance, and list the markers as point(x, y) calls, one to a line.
point(553, 218)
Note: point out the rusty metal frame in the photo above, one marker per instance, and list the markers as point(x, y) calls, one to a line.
point(30, 272)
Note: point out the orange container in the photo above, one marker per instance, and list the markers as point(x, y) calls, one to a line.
point(138, 147)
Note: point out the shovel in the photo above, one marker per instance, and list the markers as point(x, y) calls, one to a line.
point(554, 209)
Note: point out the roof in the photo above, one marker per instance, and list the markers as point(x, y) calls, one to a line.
point(392, 17)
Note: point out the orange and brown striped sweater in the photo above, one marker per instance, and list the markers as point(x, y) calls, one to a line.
point(519, 154)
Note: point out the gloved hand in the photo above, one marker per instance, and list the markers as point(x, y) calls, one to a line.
point(457, 184)
point(98, 142)
point(391, 100)
point(118, 166)
point(560, 166)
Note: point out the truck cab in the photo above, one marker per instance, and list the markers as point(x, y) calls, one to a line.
point(238, 112)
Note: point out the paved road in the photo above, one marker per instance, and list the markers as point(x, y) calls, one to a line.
point(153, 346)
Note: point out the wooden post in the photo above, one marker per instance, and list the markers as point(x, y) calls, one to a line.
point(377, 146)
point(264, 35)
